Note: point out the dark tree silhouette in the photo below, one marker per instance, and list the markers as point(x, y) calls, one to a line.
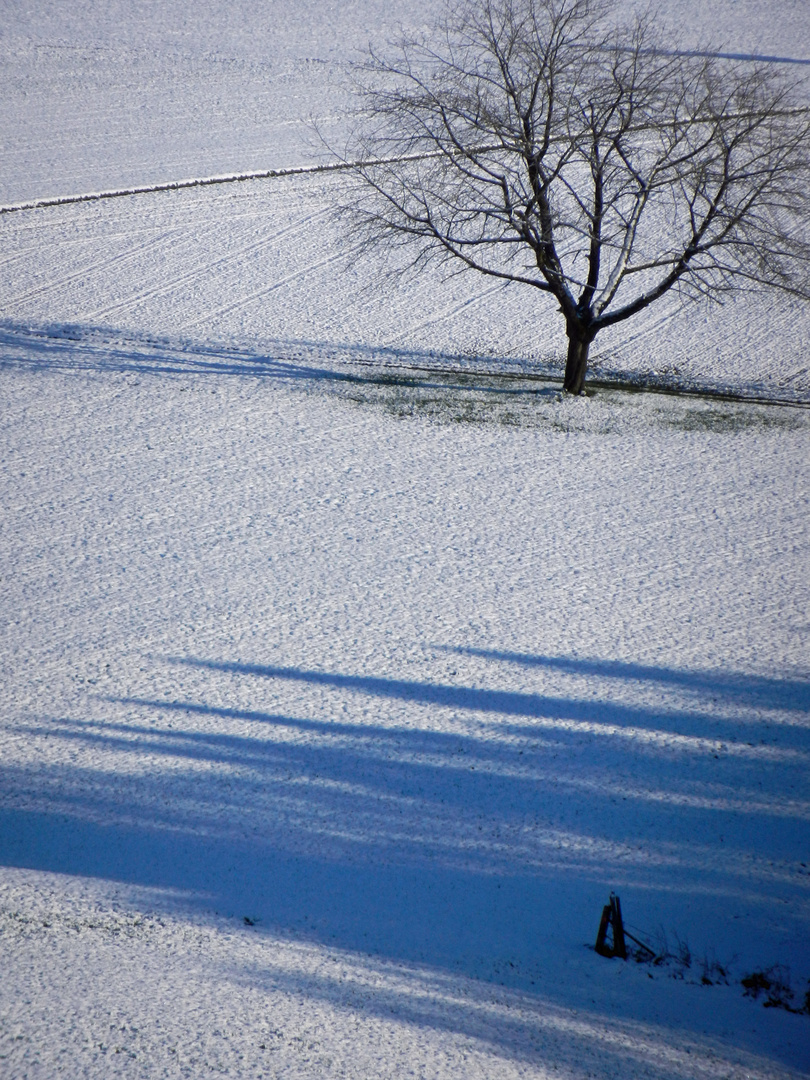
point(543, 143)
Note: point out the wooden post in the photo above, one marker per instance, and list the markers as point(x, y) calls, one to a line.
point(619, 946)
point(611, 917)
point(601, 946)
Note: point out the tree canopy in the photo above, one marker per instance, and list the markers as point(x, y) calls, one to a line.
point(547, 143)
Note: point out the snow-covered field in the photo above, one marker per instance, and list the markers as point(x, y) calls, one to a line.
point(337, 695)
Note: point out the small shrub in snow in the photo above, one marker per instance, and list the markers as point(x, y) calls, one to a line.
point(774, 984)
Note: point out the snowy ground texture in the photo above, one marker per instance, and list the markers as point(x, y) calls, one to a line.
point(337, 695)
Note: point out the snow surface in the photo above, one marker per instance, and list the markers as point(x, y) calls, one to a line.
point(338, 695)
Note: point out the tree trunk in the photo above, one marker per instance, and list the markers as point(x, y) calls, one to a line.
point(577, 363)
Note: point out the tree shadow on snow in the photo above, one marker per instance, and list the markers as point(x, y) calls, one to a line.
point(736, 689)
point(480, 840)
point(77, 347)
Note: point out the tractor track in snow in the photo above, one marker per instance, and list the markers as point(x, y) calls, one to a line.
point(259, 294)
point(94, 268)
point(204, 268)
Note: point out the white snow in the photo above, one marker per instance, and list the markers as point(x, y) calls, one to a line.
point(338, 695)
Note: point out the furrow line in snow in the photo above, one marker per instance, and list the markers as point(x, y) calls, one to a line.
point(105, 264)
point(237, 304)
point(209, 181)
point(204, 268)
point(448, 313)
point(174, 185)
point(56, 238)
point(270, 174)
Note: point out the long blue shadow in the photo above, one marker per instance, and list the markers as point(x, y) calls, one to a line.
point(387, 840)
point(64, 346)
point(436, 768)
point(447, 918)
point(376, 892)
point(606, 714)
point(756, 690)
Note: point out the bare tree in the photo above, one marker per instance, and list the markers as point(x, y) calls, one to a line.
point(540, 142)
